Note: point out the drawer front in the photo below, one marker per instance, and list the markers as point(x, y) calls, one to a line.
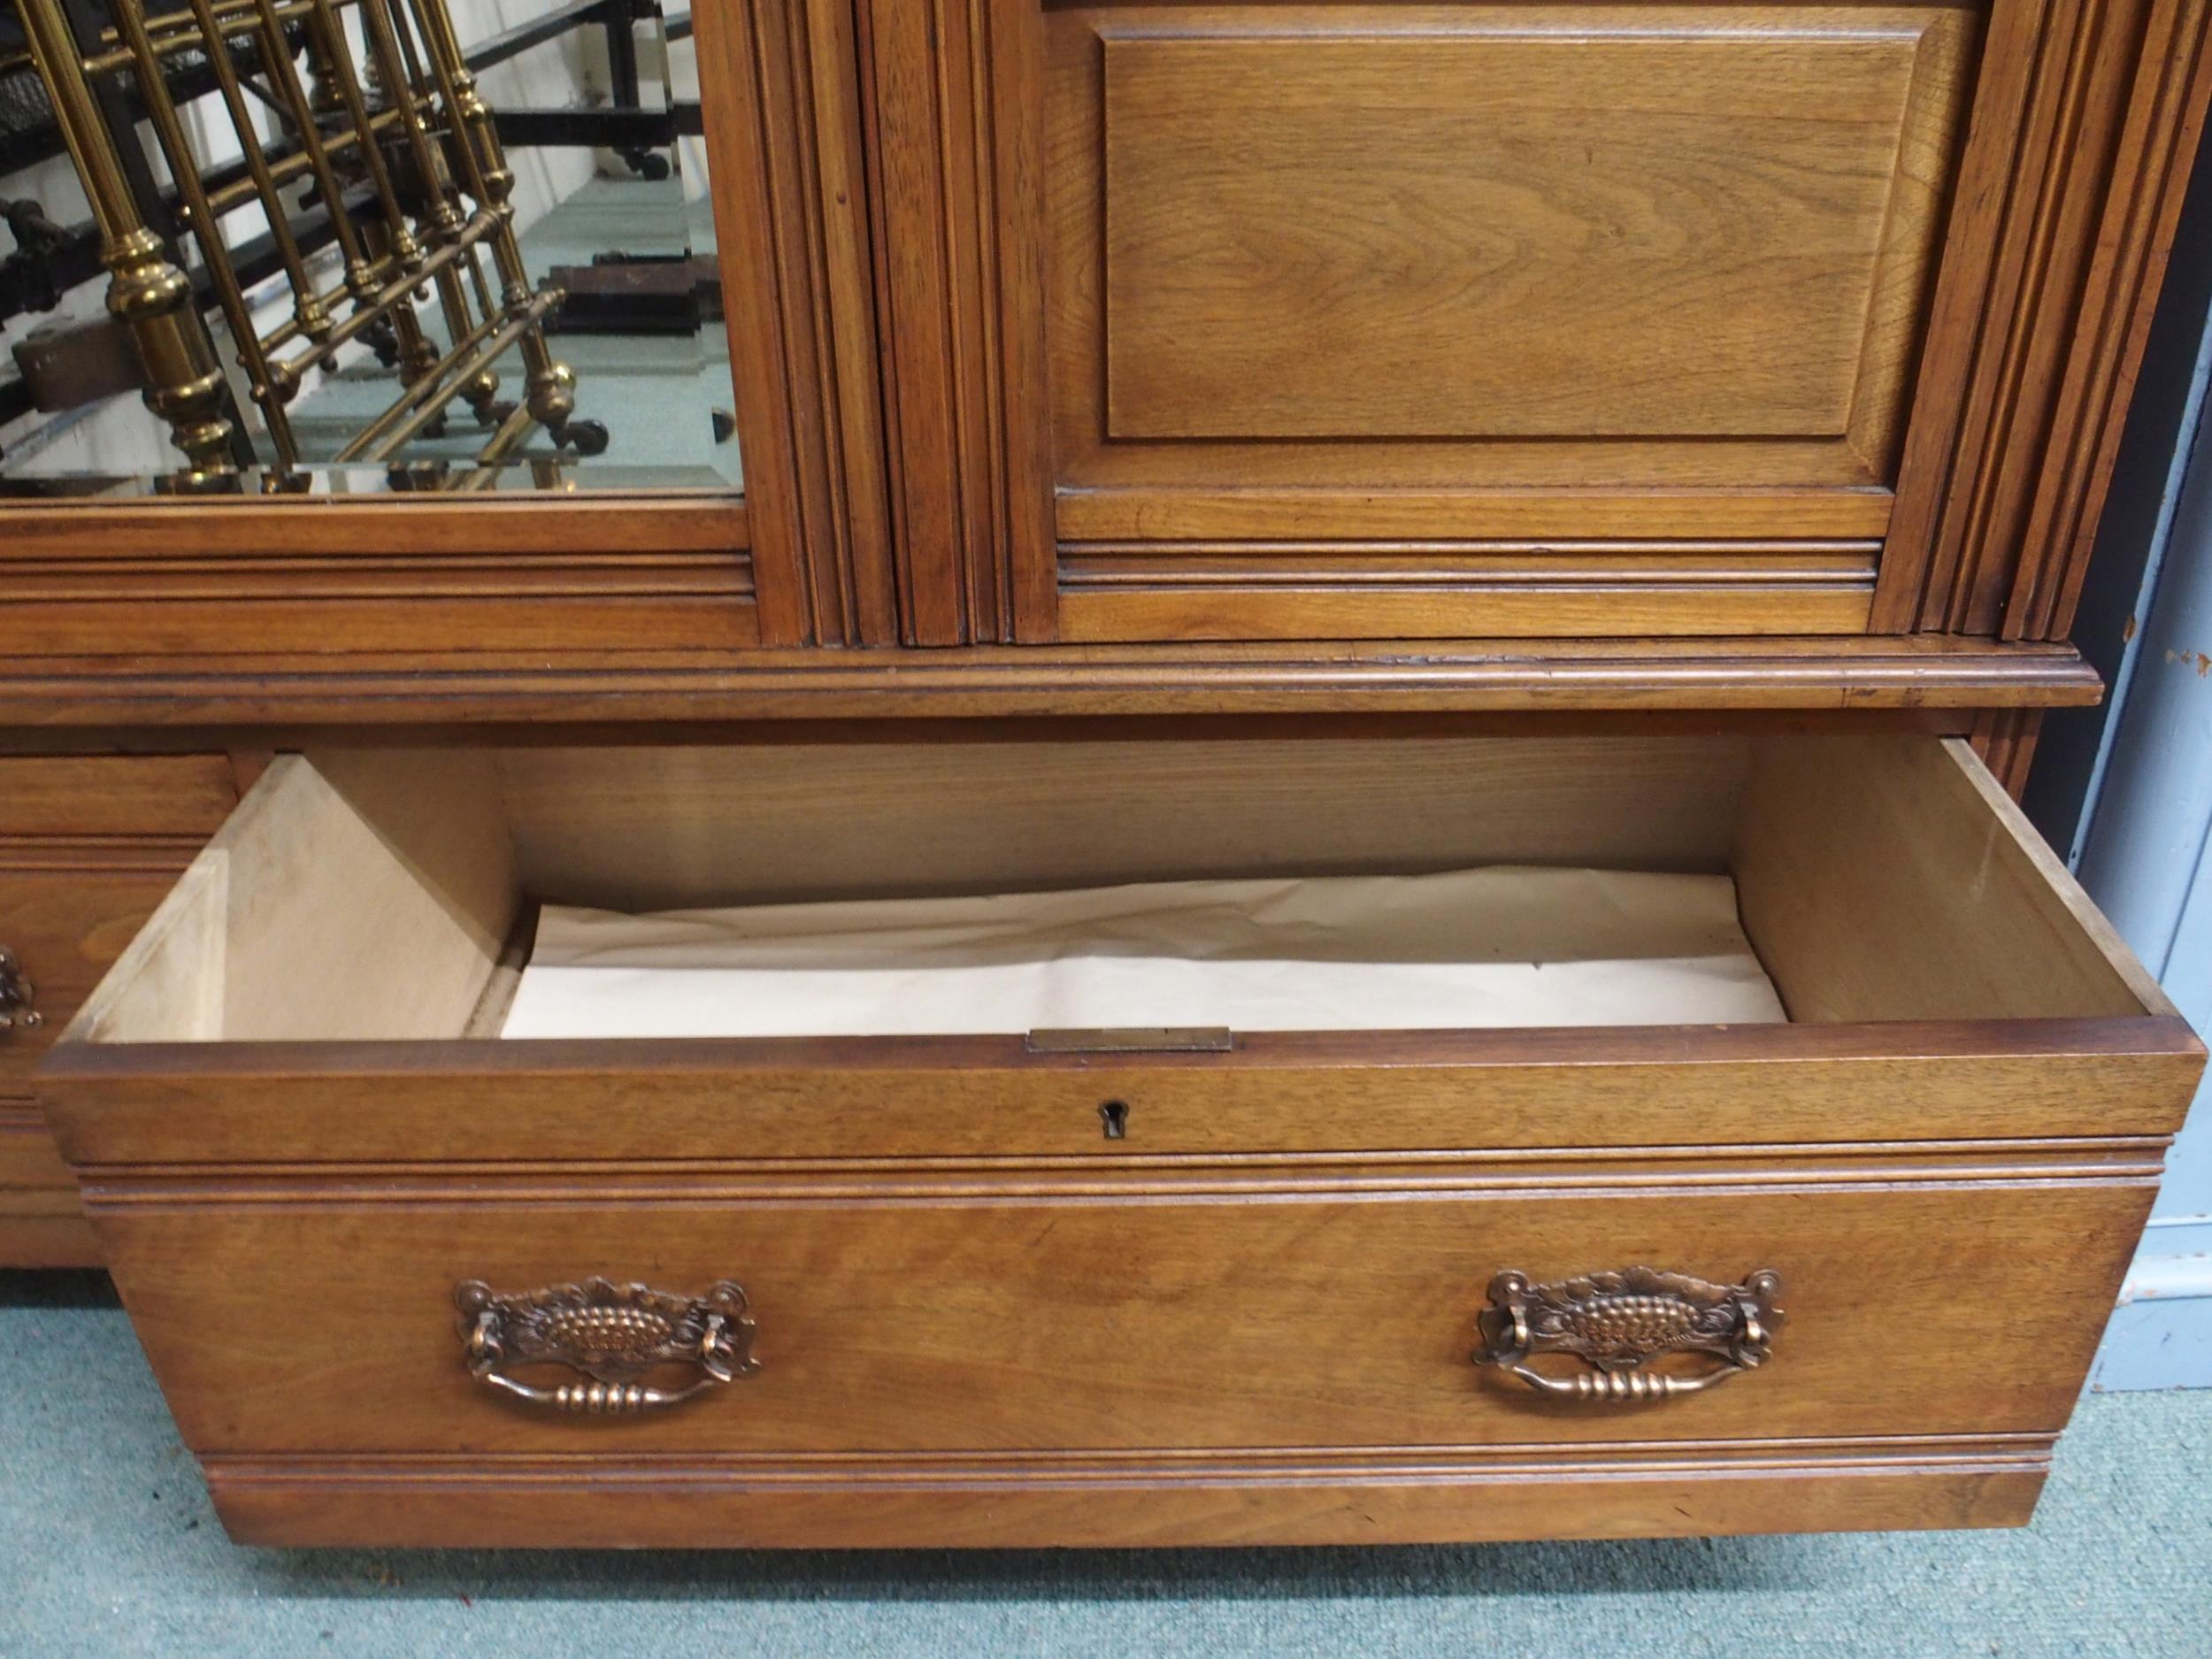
point(65, 926)
point(89, 845)
point(74, 796)
point(41, 1224)
point(918, 1315)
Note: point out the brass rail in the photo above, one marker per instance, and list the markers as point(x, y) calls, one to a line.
point(148, 293)
point(395, 141)
point(422, 402)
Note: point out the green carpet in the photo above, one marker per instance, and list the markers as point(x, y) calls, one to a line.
point(108, 1547)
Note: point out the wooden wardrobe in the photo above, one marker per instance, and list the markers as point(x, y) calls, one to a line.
point(1179, 439)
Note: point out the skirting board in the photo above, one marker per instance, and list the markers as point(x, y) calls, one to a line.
point(2161, 1337)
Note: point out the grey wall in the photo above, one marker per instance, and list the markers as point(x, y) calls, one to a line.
point(2125, 791)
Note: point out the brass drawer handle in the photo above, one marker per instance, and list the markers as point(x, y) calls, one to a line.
point(1617, 1322)
point(17, 995)
point(613, 1334)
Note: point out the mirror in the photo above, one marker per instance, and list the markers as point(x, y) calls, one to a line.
point(518, 290)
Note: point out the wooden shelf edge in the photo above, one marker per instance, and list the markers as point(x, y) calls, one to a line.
point(1393, 676)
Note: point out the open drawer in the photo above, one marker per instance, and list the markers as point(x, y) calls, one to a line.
point(1302, 1286)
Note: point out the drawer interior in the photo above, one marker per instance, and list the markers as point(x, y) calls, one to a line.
point(1158, 963)
point(379, 894)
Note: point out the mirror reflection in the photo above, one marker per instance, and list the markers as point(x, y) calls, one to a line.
point(356, 245)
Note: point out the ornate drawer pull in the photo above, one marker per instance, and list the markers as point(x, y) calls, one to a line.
point(614, 1334)
point(17, 994)
point(1620, 1322)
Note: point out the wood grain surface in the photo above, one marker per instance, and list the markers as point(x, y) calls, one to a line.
point(89, 844)
point(1462, 229)
point(1256, 1307)
point(694, 1502)
point(517, 696)
point(1365, 275)
point(905, 1312)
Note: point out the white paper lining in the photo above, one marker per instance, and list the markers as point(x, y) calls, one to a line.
point(1494, 947)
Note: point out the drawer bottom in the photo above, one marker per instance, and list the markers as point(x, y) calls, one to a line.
point(1410, 1496)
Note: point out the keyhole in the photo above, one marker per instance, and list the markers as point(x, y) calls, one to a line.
point(1114, 1115)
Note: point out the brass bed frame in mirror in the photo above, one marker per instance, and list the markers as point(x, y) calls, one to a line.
point(400, 148)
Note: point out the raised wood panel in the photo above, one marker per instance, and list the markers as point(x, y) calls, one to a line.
point(1400, 225)
point(1647, 281)
point(2052, 216)
point(1544, 224)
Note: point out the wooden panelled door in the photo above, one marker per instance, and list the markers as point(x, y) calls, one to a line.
point(1542, 303)
point(1368, 319)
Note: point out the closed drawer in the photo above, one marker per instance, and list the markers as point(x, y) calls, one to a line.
point(41, 1224)
point(1249, 1313)
point(65, 914)
point(137, 796)
point(89, 845)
